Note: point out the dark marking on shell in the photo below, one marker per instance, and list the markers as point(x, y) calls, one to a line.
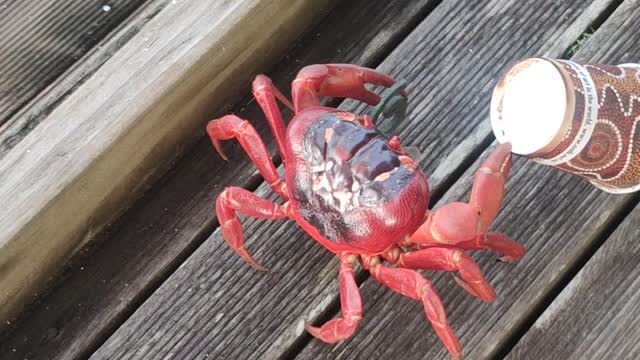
point(348, 168)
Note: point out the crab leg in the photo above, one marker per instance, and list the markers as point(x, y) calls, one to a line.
point(266, 94)
point(450, 259)
point(498, 242)
point(231, 126)
point(234, 199)
point(351, 305)
point(488, 185)
point(337, 80)
point(465, 225)
point(411, 284)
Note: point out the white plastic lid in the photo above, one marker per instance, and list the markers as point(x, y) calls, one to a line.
point(528, 105)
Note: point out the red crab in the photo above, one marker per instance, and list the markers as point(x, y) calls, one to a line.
point(360, 195)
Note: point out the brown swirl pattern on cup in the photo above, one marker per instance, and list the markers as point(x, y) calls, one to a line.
point(602, 152)
point(612, 156)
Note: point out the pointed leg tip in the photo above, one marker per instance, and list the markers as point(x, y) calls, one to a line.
point(465, 286)
point(260, 268)
point(257, 266)
point(459, 281)
point(507, 259)
point(222, 154)
point(247, 257)
point(307, 325)
point(488, 296)
point(286, 102)
point(218, 147)
point(314, 331)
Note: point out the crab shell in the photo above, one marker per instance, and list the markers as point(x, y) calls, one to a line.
point(349, 188)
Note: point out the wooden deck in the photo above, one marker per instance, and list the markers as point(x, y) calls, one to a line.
point(161, 283)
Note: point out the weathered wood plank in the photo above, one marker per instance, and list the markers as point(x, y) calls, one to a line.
point(53, 73)
point(134, 256)
point(215, 305)
point(42, 39)
point(558, 217)
point(596, 315)
point(95, 153)
point(543, 210)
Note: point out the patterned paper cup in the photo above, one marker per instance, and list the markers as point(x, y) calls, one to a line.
point(580, 118)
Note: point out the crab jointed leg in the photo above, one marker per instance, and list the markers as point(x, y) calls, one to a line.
point(488, 185)
point(358, 193)
point(351, 306)
point(266, 95)
point(510, 249)
point(465, 225)
point(230, 126)
point(450, 259)
point(411, 284)
point(234, 199)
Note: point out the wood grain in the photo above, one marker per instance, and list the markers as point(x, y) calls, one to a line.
point(557, 216)
point(595, 316)
point(557, 219)
point(42, 39)
point(97, 150)
point(217, 306)
point(133, 257)
point(51, 74)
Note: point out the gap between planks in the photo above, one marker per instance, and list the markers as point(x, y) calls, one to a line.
point(120, 295)
point(104, 143)
point(595, 315)
point(608, 210)
point(160, 320)
point(42, 40)
point(627, 206)
point(482, 150)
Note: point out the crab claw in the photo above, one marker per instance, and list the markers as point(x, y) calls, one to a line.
point(336, 80)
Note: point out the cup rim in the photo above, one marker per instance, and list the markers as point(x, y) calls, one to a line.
point(497, 99)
